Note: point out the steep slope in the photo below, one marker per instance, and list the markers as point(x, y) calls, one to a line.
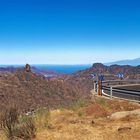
point(30, 91)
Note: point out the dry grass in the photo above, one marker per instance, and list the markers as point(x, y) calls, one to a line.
point(14, 126)
point(41, 119)
point(71, 125)
point(68, 124)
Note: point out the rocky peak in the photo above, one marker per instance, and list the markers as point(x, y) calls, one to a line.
point(27, 68)
point(99, 68)
point(98, 65)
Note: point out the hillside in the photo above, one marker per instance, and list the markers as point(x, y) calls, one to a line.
point(63, 107)
point(85, 79)
point(30, 91)
point(91, 120)
point(113, 69)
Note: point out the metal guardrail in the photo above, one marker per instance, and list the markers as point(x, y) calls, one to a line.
point(114, 91)
point(129, 80)
point(124, 91)
point(112, 82)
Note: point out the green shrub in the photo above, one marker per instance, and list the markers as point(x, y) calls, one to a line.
point(14, 127)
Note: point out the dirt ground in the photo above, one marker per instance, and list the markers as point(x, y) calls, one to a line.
point(92, 123)
point(87, 129)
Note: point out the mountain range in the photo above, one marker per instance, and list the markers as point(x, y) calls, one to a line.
point(132, 62)
point(32, 90)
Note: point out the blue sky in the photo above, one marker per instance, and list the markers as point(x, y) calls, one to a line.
point(68, 31)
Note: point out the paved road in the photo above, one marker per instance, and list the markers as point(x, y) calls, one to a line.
point(131, 87)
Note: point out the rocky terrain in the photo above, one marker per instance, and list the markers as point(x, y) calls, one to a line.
point(30, 91)
point(73, 114)
point(85, 79)
point(111, 72)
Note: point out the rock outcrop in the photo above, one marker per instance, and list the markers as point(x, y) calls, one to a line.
point(123, 114)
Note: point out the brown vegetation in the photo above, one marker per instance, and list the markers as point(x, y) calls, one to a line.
point(72, 115)
point(86, 121)
point(93, 124)
point(14, 127)
point(30, 91)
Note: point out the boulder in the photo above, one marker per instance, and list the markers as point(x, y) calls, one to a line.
point(123, 114)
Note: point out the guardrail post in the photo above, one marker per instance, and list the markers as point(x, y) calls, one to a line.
point(110, 92)
point(97, 88)
point(94, 87)
point(100, 88)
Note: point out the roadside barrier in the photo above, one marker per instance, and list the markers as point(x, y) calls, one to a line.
point(113, 89)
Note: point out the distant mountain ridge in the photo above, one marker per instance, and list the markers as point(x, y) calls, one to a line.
point(85, 79)
point(12, 69)
point(132, 62)
point(31, 90)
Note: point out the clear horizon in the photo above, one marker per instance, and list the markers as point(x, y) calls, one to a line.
point(69, 31)
point(22, 64)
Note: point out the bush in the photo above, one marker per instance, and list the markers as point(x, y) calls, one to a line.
point(41, 118)
point(25, 130)
point(8, 120)
point(15, 127)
